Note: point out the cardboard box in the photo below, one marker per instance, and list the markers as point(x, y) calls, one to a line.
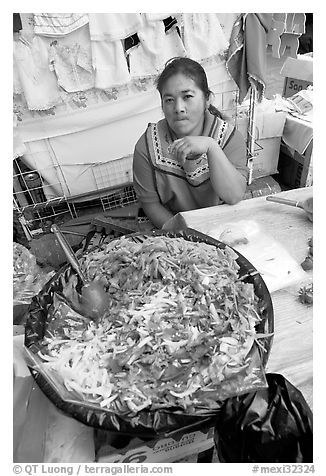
point(298, 73)
point(265, 160)
point(159, 451)
point(296, 170)
point(269, 126)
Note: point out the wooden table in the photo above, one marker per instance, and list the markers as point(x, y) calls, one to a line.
point(291, 353)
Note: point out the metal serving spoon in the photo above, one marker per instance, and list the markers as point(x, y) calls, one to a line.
point(94, 298)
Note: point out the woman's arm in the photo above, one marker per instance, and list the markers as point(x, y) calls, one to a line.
point(228, 183)
point(157, 213)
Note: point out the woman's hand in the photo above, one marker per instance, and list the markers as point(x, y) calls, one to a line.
point(190, 147)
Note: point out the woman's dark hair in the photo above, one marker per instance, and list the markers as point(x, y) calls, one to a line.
point(192, 70)
point(187, 67)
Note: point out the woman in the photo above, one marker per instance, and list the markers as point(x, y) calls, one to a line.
point(192, 158)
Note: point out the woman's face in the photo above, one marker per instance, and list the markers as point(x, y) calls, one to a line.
point(183, 104)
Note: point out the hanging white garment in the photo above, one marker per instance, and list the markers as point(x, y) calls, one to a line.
point(72, 65)
point(109, 63)
point(17, 86)
point(156, 16)
point(113, 26)
point(106, 32)
point(58, 24)
point(155, 48)
point(80, 37)
point(227, 20)
point(19, 147)
point(203, 36)
point(39, 84)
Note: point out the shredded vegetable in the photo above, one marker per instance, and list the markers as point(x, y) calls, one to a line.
point(177, 331)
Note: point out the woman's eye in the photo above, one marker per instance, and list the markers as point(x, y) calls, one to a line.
point(188, 96)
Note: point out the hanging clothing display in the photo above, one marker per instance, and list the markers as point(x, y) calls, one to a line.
point(109, 63)
point(38, 83)
point(155, 48)
point(72, 66)
point(203, 35)
point(227, 20)
point(58, 24)
point(113, 26)
point(246, 59)
point(107, 30)
point(156, 16)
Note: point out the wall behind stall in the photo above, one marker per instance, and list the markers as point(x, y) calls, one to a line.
point(103, 137)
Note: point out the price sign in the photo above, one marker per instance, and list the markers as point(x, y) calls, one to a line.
point(293, 86)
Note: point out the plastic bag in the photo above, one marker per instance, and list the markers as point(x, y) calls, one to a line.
point(275, 264)
point(28, 277)
point(41, 433)
point(29, 411)
point(271, 425)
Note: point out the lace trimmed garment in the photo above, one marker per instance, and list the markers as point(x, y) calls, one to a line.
point(37, 82)
point(72, 66)
point(203, 36)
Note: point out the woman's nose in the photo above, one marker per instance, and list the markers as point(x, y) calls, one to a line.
point(179, 105)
